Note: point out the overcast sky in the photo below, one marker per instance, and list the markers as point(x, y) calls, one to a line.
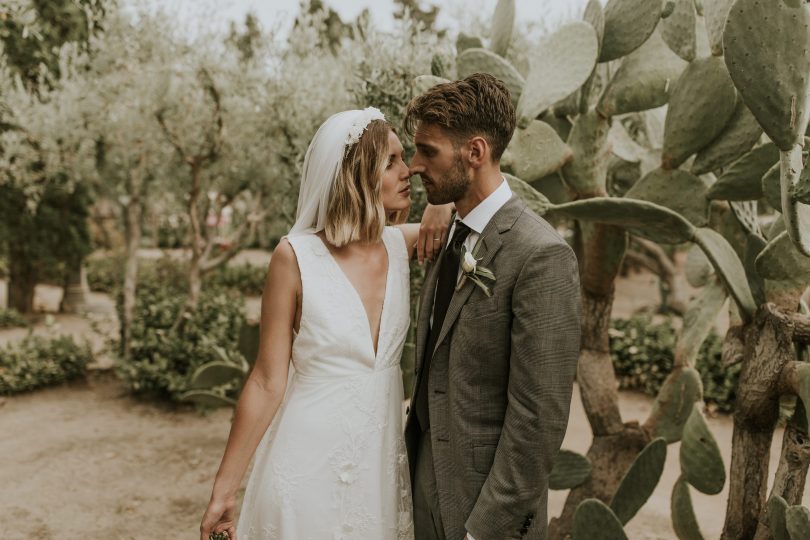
point(278, 14)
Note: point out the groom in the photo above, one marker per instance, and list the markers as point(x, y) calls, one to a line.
point(494, 374)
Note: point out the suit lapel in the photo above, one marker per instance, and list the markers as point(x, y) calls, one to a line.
point(491, 243)
point(501, 222)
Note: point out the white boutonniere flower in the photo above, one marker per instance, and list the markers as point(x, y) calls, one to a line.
point(470, 269)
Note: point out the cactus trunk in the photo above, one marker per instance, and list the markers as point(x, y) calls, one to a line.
point(768, 348)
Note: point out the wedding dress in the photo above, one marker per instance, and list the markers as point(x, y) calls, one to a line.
point(332, 464)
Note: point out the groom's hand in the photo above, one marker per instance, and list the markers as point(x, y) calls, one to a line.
point(433, 231)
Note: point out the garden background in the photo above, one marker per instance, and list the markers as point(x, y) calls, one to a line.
point(149, 163)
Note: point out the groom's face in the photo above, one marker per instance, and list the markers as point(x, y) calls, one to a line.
point(440, 165)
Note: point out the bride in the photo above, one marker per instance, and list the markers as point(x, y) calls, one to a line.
point(322, 406)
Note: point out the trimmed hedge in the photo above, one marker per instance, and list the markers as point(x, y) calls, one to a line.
point(37, 361)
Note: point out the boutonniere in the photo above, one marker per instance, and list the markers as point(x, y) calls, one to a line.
point(470, 269)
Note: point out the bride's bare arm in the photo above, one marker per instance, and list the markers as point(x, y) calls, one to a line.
point(263, 389)
point(428, 237)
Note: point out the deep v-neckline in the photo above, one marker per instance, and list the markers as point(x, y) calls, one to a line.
point(375, 347)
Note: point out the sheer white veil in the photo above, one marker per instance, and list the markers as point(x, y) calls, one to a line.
point(322, 163)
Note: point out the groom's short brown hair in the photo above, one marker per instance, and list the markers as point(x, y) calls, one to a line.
point(478, 105)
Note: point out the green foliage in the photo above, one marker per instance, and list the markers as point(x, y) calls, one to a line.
point(163, 361)
point(106, 274)
point(643, 356)
point(37, 361)
point(10, 318)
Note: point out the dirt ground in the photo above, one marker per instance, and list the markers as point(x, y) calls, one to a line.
point(86, 460)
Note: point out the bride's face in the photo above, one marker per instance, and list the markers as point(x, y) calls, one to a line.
point(395, 190)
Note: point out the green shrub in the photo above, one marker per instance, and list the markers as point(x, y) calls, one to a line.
point(162, 360)
point(106, 274)
point(38, 361)
point(10, 318)
point(643, 355)
point(246, 278)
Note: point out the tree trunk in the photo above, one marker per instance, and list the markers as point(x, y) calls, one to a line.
point(132, 232)
point(22, 279)
point(768, 347)
point(76, 291)
point(791, 473)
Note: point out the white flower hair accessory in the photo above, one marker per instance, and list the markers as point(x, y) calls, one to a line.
point(361, 122)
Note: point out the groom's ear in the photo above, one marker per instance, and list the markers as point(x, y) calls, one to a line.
point(480, 153)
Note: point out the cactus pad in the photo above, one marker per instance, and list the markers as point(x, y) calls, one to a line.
point(797, 521)
point(586, 172)
point(466, 41)
point(739, 135)
point(667, 188)
point(628, 24)
point(716, 12)
point(206, 398)
point(216, 374)
point(698, 269)
point(678, 30)
point(684, 522)
point(503, 21)
point(767, 50)
point(786, 272)
point(742, 181)
point(484, 61)
point(648, 220)
point(536, 201)
point(701, 463)
point(559, 66)
point(423, 83)
point(569, 471)
point(701, 104)
point(536, 151)
point(771, 188)
point(796, 213)
point(673, 405)
point(644, 79)
point(728, 266)
point(698, 321)
point(777, 507)
point(639, 481)
point(593, 519)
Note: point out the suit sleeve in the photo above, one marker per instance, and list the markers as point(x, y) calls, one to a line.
point(545, 343)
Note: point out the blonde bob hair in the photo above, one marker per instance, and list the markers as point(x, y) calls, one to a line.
point(355, 211)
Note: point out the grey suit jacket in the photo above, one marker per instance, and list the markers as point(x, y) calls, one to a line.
point(500, 380)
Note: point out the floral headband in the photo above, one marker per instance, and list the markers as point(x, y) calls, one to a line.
point(360, 123)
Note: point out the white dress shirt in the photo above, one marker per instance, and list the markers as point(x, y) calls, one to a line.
point(478, 218)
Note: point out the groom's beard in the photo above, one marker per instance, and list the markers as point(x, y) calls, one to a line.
point(450, 188)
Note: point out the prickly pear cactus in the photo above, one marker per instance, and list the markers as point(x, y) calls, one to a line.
point(570, 470)
point(595, 520)
point(701, 463)
point(640, 480)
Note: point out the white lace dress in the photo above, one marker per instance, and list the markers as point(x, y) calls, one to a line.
point(332, 465)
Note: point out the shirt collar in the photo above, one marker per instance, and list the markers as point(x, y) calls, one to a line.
point(480, 216)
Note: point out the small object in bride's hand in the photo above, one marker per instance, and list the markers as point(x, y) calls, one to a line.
point(219, 536)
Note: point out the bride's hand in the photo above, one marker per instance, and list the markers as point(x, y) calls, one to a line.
point(219, 517)
point(433, 231)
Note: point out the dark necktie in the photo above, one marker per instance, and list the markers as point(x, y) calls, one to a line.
point(445, 287)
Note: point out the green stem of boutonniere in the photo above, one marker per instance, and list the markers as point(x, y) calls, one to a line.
point(477, 274)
